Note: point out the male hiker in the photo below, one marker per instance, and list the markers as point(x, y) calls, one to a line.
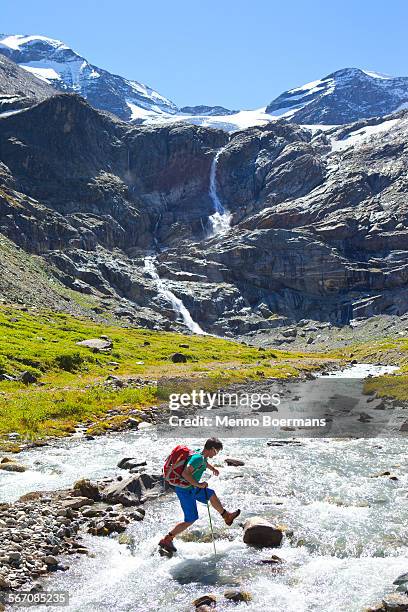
point(190, 490)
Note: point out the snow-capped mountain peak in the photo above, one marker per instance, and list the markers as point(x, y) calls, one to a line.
point(16, 41)
point(343, 96)
point(54, 62)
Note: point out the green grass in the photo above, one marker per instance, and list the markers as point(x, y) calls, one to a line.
point(69, 388)
point(392, 351)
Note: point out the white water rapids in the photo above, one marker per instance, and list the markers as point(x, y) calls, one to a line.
point(177, 304)
point(349, 540)
point(221, 219)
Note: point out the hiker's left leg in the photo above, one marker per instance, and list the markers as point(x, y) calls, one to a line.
point(179, 528)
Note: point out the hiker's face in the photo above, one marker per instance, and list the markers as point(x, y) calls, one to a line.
point(213, 452)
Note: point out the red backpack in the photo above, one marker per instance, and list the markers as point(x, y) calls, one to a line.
point(175, 464)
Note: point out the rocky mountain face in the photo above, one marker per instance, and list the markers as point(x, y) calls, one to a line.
point(342, 97)
point(18, 88)
point(319, 220)
point(65, 70)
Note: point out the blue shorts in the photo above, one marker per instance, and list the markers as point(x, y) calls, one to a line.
point(188, 499)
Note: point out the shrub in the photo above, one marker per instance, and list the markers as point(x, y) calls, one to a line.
point(70, 362)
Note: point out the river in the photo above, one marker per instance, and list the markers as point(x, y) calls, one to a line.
point(349, 529)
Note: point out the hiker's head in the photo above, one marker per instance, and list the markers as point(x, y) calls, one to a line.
point(212, 447)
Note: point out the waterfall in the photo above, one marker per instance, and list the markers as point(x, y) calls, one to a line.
point(168, 295)
point(221, 219)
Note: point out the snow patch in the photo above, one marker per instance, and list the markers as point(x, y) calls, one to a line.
point(45, 74)
point(140, 113)
point(362, 134)
point(377, 75)
point(313, 85)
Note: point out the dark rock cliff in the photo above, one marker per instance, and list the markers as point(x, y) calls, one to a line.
point(319, 228)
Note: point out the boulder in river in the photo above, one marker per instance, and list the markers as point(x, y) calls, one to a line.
point(237, 596)
point(234, 462)
point(395, 602)
point(402, 582)
point(260, 532)
point(87, 488)
point(134, 490)
point(10, 465)
point(273, 560)
point(206, 600)
point(128, 463)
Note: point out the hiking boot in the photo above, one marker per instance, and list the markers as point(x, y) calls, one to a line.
point(229, 517)
point(167, 544)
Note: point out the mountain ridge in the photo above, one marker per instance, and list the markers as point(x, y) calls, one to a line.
point(63, 68)
point(343, 96)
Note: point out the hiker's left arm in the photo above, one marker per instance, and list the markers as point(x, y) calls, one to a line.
point(213, 469)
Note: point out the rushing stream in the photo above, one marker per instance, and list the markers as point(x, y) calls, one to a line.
point(349, 530)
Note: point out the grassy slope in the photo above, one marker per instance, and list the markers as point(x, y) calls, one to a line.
point(70, 389)
point(391, 351)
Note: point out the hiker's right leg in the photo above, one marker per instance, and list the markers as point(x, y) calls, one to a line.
point(208, 495)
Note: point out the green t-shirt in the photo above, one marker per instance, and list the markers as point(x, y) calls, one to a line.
point(199, 464)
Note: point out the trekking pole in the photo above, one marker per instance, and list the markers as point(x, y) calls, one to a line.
point(211, 526)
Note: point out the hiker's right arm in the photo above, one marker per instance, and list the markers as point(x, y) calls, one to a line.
point(188, 475)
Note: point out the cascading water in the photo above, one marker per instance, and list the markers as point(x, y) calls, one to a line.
point(176, 303)
point(221, 219)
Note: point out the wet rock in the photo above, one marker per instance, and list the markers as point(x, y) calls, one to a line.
point(74, 503)
point(234, 462)
point(402, 583)
point(137, 515)
point(283, 442)
point(50, 560)
point(107, 526)
point(87, 488)
point(260, 532)
point(10, 465)
point(273, 560)
point(134, 490)
point(205, 600)
point(238, 596)
point(178, 358)
point(93, 511)
point(396, 602)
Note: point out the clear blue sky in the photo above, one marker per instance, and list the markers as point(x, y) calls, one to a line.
point(238, 53)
